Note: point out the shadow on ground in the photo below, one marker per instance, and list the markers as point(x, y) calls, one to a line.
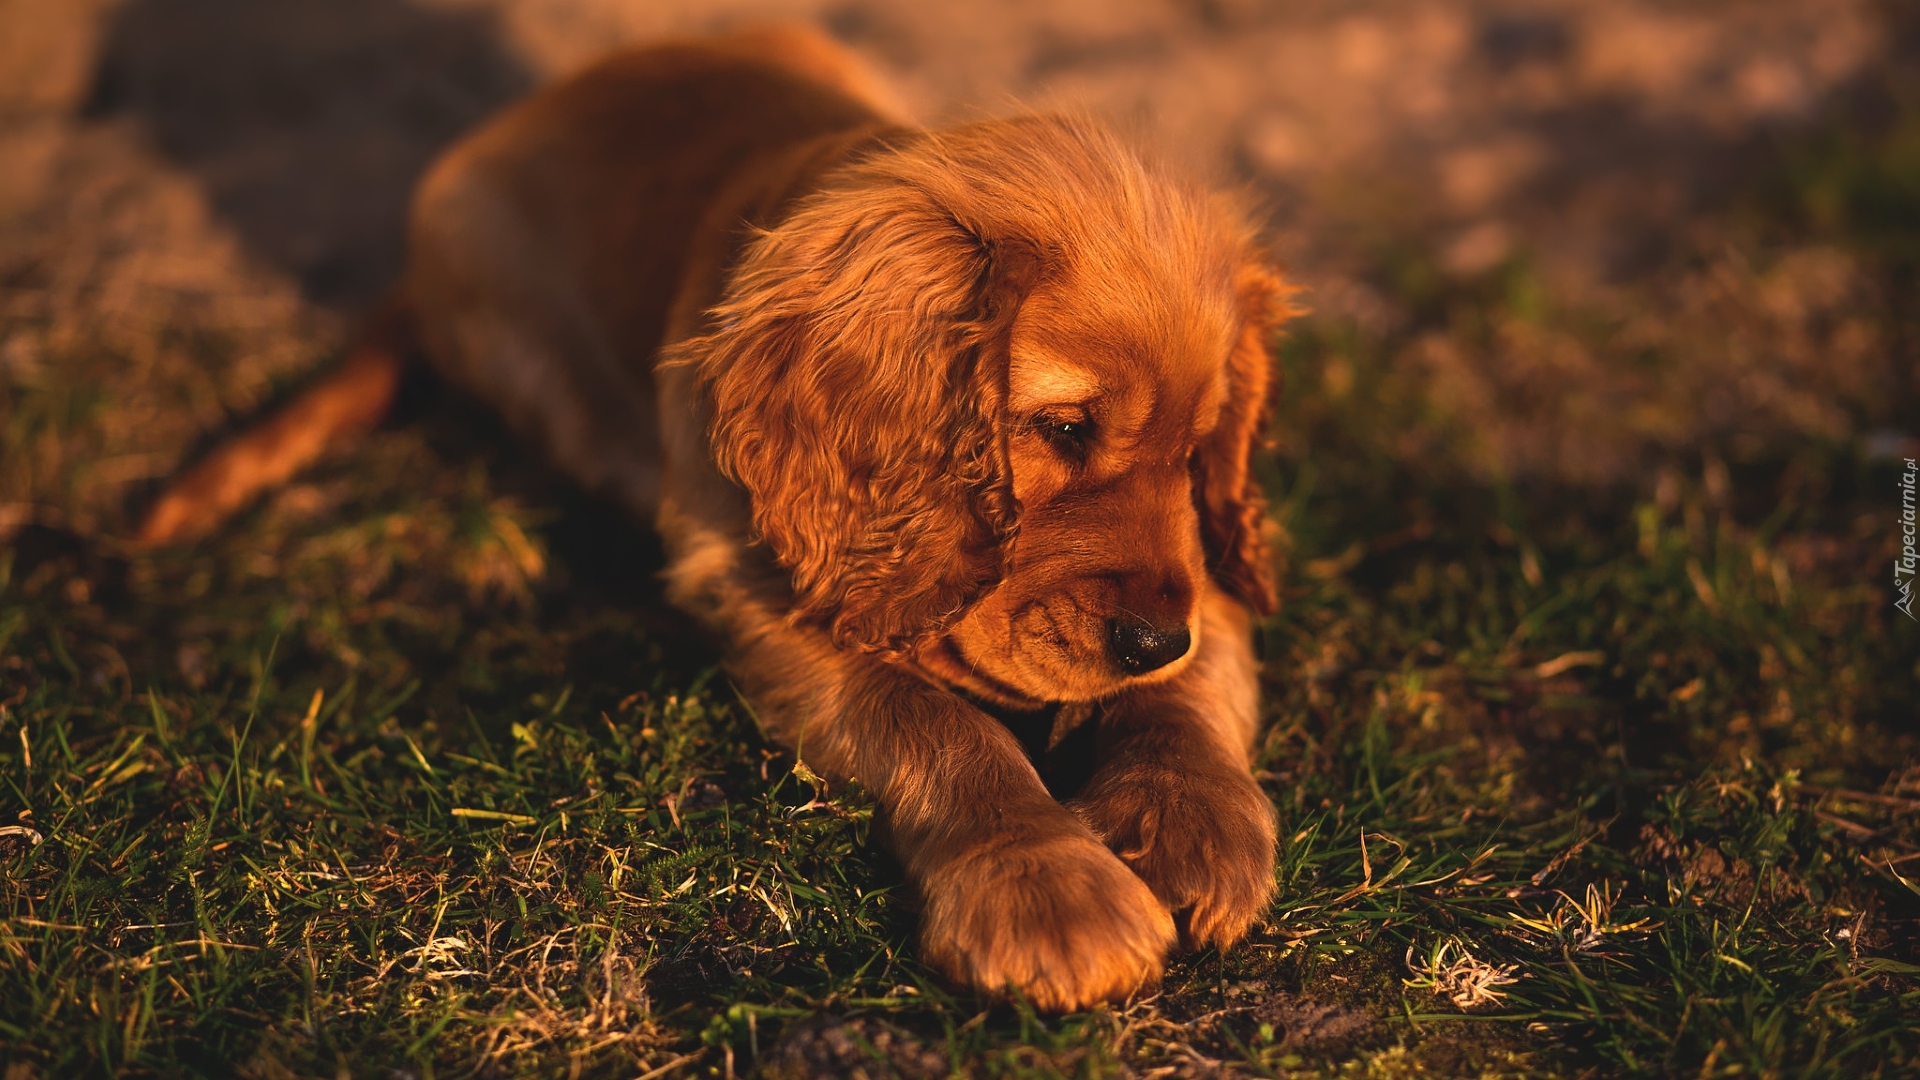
point(306, 120)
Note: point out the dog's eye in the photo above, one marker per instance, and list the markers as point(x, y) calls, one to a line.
point(1067, 434)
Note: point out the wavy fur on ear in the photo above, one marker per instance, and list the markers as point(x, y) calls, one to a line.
point(857, 379)
point(858, 366)
point(1233, 509)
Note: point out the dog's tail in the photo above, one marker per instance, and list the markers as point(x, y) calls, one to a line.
point(347, 401)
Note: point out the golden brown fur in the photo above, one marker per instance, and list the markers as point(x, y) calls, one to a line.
point(945, 428)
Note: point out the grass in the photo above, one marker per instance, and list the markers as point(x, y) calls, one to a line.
point(411, 773)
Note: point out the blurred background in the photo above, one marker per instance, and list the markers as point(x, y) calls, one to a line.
point(1580, 239)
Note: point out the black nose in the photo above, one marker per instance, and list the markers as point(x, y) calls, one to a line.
point(1139, 648)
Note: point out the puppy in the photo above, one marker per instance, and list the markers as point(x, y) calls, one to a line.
point(943, 430)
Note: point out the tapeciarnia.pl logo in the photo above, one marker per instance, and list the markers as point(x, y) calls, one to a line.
point(1904, 566)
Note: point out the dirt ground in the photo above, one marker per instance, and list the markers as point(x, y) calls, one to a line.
point(208, 192)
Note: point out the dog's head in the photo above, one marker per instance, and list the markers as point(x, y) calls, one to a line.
point(992, 392)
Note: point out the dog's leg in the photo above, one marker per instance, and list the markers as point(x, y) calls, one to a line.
point(343, 403)
point(1018, 893)
point(1173, 794)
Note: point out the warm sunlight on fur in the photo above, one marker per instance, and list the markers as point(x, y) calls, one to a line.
point(949, 427)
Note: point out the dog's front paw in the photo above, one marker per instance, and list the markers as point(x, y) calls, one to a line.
point(1202, 840)
point(1058, 920)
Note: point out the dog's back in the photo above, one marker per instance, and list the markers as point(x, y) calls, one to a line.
point(550, 250)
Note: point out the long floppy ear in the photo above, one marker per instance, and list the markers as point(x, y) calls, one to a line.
point(1233, 510)
point(857, 379)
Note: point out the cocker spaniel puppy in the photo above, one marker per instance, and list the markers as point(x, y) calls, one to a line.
point(945, 431)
